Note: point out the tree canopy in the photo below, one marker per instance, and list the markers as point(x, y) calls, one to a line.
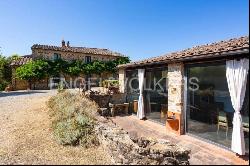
point(34, 70)
point(5, 70)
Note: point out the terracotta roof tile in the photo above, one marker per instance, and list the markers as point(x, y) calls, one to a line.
point(86, 50)
point(214, 49)
point(22, 60)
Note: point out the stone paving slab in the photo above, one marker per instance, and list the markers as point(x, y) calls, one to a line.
point(202, 153)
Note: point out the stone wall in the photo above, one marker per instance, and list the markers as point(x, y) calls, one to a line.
point(138, 151)
point(20, 84)
point(40, 85)
point(108, 75)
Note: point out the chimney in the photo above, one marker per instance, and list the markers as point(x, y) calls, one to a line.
point(63, 43)
point(68, 44)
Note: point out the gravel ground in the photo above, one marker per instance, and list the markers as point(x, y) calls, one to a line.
point(26, 136)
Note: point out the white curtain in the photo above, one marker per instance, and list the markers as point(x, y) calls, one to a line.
point(236, 72)
point(140, 112)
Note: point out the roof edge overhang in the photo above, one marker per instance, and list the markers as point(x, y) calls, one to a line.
point(244, 52)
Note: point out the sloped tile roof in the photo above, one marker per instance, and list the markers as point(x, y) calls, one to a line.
point(214, 49)
point(86, 50)
point(22, 60)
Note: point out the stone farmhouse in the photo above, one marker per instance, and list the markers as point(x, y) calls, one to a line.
point(65, 52)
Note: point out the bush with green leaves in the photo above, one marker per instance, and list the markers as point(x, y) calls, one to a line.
point(73, 119)
point(33, 71)
point(5, 70)
point(112, 83)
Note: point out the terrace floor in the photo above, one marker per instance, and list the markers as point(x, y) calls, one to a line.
point(202, 153)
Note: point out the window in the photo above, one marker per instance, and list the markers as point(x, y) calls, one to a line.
point(209, 108)
point(87, 59)
point(56, 56)
point(155, 92)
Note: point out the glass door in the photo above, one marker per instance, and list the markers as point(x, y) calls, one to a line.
point(132, 89)
point(209, 108)
point(155, 94)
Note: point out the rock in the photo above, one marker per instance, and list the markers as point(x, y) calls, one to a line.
point(143, 151)
point(143, 142)
point(169, 161)
point(162, 149)
point(163, 141)
point(134, 150)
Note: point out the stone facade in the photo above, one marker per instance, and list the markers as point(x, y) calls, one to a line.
point(122, 80)
point(175, 87)
point(18, 84)
point(176, 92)
point(69, 56)
point(124, 149)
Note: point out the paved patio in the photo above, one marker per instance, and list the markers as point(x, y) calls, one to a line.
point(202, 153)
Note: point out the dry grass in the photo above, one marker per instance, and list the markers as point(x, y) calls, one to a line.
point(26, 137)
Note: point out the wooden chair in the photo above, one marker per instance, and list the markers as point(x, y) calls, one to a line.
point(222, 121)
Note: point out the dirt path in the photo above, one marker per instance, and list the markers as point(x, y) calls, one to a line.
point(26, 137)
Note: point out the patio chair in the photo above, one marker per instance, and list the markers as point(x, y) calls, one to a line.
point(118, 104)
point(245, 123)
point(222, 121)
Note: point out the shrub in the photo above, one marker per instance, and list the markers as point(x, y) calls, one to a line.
point(60, 88)
point(32, 71)
point(73, 119)
point(108, 83)
point(5, 72)
point(3, 84)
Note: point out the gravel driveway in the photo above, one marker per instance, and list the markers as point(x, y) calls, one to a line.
point(26, 136)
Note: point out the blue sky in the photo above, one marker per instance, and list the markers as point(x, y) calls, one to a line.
point(137, 28)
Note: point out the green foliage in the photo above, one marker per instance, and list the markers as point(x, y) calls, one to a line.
point(32, 71)
point(122, 60)
point(14, 57)
point(98, 67)
point(5, 70)
point(108, 83)
point(3, 84)
point(56, 67)
point(3, 63)
point(39, 69)
point(75, 68)
point(73, 119)
point(110, 66)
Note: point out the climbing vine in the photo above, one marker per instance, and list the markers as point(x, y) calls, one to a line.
point(39, 69)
